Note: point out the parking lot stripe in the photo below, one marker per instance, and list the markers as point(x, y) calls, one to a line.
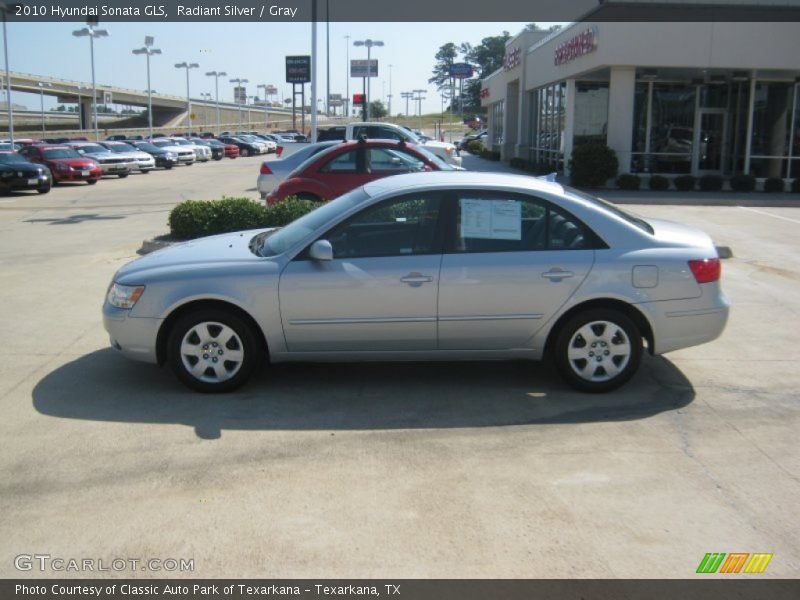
point(761, 212)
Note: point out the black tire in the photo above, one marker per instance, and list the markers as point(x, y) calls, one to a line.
point(91, 181)
point(247, 343)
point(43, 190)
point(168, 167)
point(145, 172)
point(245, 152)
point(598, 380)
point(123, 175)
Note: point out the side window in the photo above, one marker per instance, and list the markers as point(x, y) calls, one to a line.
point(344, 163)
point(383, 133)
point(404, 226)
point(393, 160)
point(494, 223)
point(359, 130)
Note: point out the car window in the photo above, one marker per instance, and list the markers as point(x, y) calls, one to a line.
point(496, 222)
point(343, 163)
point(11, 158)
point(399, 227)
point(61, 153)
point(392, 160)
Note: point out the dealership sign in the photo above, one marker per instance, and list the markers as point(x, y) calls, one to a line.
point(575, 47)
point(484, 92)
point(364, 68)
point(461, 71)
point(512, 59)
point(298, 69)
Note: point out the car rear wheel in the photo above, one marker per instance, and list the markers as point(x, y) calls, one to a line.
point(123, 175)
point(91, 181)
point(598, 350)
point(212, 351)
point(245, 152)
point(43, 190)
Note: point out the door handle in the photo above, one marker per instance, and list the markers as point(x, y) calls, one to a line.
point(416, 279)
point(557, 274)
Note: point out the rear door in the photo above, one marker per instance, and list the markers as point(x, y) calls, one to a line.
point(510, 263)
point(345, 171)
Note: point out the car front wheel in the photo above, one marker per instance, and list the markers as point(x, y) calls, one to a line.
point(598, 350)
point(245, 152)
point(212, 351)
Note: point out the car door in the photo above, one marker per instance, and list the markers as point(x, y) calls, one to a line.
point(379, 291)
point(344, 171)
point(510, 263)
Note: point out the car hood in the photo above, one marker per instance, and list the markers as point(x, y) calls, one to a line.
point(676, 234)
point(135, 155)
point(76, 163)
point(217, 250)
point(435, 144)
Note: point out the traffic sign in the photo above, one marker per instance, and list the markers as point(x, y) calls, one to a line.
point(364, 68)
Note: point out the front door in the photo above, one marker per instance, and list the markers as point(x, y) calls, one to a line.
point(708, 147)
point(379, 291)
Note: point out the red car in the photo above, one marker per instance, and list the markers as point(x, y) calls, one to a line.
point(65, 163)
point(348, 165)
point(231, 151)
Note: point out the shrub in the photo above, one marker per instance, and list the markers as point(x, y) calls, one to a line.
point(773, 185)
point(710, 183)
point(593, 164)
point(684, 183)
point(743, 183)
point(475, 147)
point(659, 183)
point(627, 181)
point(197, 218)
point(796, 186)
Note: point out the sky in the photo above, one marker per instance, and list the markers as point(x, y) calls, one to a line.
point(254, 51)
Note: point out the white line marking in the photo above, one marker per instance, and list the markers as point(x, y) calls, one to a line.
point(761, 212)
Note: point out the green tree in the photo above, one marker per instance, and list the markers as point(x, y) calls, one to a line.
point(486, 57)
point(377, 109)
point(445, 58)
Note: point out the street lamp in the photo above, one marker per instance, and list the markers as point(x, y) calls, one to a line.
point(42, 85)
point(407, 96)
point(206, 96)
point(4, 10)
point(369, 44)
point(419, 100)
point(347, 78)
point(187, 66)
point(148, 51)
point(266, 116)
point(389, 97)
point(216, 75)
point(92, 32)
point(236, 97)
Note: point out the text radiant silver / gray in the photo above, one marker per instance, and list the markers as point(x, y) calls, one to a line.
point(427, 266)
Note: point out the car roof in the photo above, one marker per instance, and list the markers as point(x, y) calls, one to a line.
point(461, 179)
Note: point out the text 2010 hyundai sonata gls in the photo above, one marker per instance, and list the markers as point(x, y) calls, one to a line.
point(426, 266)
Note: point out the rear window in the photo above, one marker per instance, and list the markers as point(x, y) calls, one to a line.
point(613, 209)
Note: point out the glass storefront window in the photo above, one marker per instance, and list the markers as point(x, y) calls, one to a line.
point(591, 113)
point(772, 117)
point(548, 111)
point(497, 122)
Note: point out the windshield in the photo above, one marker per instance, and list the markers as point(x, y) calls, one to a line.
point(440, 162)
point(121, 147)
point(163, 143)
point(11, 158)
point(283, 239)
point(61, 153)
point(93, 149)
point(148, 147)
point(215, 143)
point(606, 205)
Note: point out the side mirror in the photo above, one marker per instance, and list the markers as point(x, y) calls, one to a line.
point(321, 250)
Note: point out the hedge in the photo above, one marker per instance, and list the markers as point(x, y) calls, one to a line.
point(743, 183)
point(627, 181)
point(659, 183)
point(684, 183)
point(592, 164)
point(710, 183)
point(197, 218)
point(475, 147)
point(796, 186)
point(773, 185)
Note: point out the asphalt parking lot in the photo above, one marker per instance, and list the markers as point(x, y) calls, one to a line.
point(453, 470)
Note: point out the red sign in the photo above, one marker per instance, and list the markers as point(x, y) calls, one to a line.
point(513, 58)
point(359, 99)
point(485, 93)
point(575, 47)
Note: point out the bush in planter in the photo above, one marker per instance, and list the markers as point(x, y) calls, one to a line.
point(710, 183)
point(287, 211)
point(684, 183)
point(659, 183)
point(743, 183)
point(475, 147)
point(593, 164)
point(627, 181)
point(773, 185)
point(796, 186)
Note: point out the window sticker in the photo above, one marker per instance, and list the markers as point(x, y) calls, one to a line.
point(491, 219)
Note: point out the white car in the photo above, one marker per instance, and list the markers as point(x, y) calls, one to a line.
point(144, 161)
point(186, 155)
point(262, 145)
point(202, 153)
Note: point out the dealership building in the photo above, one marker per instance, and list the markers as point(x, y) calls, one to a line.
point(668, 97)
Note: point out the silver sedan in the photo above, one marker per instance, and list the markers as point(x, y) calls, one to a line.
point(427, 266)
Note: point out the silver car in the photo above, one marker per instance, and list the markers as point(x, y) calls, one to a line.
point(144, 162)
point(110, 162)
point(273, 172)
point(426, 266)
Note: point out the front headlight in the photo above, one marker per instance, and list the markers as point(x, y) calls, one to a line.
point(124, 296)
point(171, 155)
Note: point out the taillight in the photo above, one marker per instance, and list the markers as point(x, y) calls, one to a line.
point(265, 170)
point(706, 270)
point(278, 150)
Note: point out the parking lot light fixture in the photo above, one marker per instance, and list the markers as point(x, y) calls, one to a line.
point(92, 32)
point(216, 75)
point(9, 109)
point(148, 51)
point(42, 85)
point(266, 115)
point(368, 44)
point(188, 66)
point(238, 81)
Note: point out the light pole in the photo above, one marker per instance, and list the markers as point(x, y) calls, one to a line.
point(92, 32)
point(148, 51)
point(264, 86)
point(238, 81)
point(4, 9)
point(407, 96)
point(419, 99)
point(389, 97)
point(369, 44)
point(42, 85)
point(187, 66)
point(347, 77)
point(216, 75)
point(206, 96)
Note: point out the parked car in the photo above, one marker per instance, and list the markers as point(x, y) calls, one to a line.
point(144, 162)
point(17, 174)
point(117, 137)
point(273, 172)
point(110, 162)
point(347, 165)
point(9, 146)
point(231, 150)
point(245, 148)
point(426, 266)
point(262, 145)
point(163, 158)
point(389, 131)
point(217, 149)
point(201, 151)
point(185, 154)
point(271, 144)
point(207, 135)
point(65, 163)
point(481, 136)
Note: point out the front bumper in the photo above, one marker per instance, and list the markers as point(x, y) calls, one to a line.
point(116, 168)
point(146, 165)
point(38, 182)
point(134, 337)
